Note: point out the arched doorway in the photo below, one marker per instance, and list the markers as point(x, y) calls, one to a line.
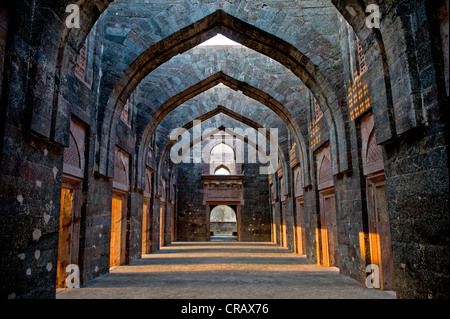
point(222, 160)
point(223, 223)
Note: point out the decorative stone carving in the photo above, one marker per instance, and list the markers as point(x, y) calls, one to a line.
point(223, 188)
point(74, 155)
point(298, 182)
point(372, 153)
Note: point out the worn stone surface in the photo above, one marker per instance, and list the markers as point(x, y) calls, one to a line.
point(223, 270)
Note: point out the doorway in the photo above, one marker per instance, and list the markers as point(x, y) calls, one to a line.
point(69, 229)
point(147, 216)
point(379, 236)
point(274, 225)
point(299, 230)
point(145, 226)
point(162, 226)
point(379, 230)
point(223, 223)
point(328, 228)
point(118, 230)
point(283, 228)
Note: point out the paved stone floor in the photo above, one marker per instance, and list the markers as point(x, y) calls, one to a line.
point(223, 270)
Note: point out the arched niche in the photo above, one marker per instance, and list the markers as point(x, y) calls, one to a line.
point(222, 160)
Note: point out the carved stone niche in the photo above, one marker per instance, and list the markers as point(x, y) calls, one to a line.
point(222, 189)
point(372, 154)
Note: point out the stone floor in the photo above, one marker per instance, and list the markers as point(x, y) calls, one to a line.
point(223, 270)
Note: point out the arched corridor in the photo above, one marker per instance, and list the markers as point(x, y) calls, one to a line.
point(322, 125)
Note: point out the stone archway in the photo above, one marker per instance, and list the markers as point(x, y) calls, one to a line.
point(223, 222)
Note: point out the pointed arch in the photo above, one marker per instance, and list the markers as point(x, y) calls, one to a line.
point(234, 84)
point(248, 35)
point(224, 147)
point(214, 131)
point(298, 188)
point(226, 160)
point(226, 111)
point(222, 110)
point(72, 153)
point(374, 155)
point(325, 173)
point(222, 170)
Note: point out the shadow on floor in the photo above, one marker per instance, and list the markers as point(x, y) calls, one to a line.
point(223, 270)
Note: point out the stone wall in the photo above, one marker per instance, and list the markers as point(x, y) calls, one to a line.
point(95, 229)
point(30, 197)
point(255, 214)
point(191, 213)
point(417, 184)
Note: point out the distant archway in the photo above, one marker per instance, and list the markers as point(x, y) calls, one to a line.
point(222, 170)
point(223, 222)
point(222, 160)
